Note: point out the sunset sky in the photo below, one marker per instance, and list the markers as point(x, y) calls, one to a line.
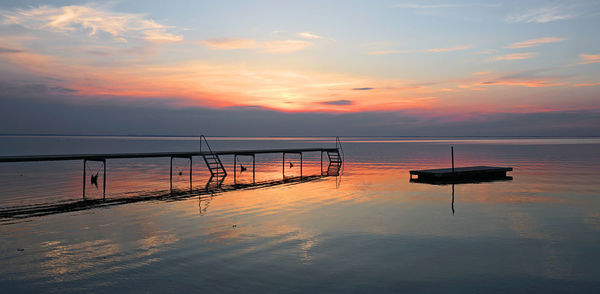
point(300, 67)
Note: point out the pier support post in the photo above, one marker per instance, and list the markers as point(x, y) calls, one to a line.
point(235, 169)
point(321, 162)
point(253, 168)
point(190, 173)
point(300, 165)
point(283, 166)
point(171, 176)
point(104, 180)
point(84, 176)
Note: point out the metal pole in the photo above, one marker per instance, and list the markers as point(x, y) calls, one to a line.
point(84, 176)
point(321, 162)
point(283, 166)
point(235, 169)
point(452, 151)
point(190, 173)
point(300, 165)
point(253, 169)
point(171, 176)
point(104, 181)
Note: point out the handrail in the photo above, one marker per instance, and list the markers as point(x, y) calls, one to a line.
point(207, 145)
point(338, 142)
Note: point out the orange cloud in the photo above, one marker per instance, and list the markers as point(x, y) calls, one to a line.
point(229, 44)
point(589, 58)
point(386, 52)
point(281, 46)
point(587, 84)
point(455, 48)
point(535, 42)
point(481, 73)
point(516, 56)
point(531, 83)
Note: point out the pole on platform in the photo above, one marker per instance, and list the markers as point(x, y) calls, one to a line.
point(452, 151)
point(104, 181)
point(84, 175)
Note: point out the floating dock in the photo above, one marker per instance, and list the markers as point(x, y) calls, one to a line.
point(470, 174)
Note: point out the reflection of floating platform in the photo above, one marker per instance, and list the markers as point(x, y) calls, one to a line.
point(461, 175)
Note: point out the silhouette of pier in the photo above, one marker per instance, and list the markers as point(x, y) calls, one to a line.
point(211, 158)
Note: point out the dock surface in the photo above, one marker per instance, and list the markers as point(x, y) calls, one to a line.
point(25, 158)
point(461, 172)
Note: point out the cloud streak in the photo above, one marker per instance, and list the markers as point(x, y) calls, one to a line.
point(535, 42)
point(280, 46)
point(449, 49)
point(589, 58)
point(309, 35)
point(516, 56)
point(91, 19)
point(540, 15)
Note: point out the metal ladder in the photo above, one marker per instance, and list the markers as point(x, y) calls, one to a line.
point(212, 160)
point(336, 160)
point(334, 156)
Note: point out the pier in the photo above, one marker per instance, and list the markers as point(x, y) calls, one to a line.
point(211, 158)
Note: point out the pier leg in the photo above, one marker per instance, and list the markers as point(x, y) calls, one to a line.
point(253, 168)
point(84, 176)
point(171, 176)
point(235, 169)
point(190, 174)
point(301, 165)
point(321, 162)
point(104, 181)
point(283, 166)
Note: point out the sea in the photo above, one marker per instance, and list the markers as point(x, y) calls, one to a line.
point(293, 225)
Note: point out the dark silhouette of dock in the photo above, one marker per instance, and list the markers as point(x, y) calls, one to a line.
point(211, 158)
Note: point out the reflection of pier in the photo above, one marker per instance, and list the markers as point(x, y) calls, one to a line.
point(211, 158)
point(212, 188)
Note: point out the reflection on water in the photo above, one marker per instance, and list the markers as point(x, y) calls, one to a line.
point(377, 232)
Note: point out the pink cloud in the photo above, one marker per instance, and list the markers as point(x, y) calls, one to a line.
point(516, 56)
point(589, 58)
point(455, 48)
point(587, 84)
point(535, 42)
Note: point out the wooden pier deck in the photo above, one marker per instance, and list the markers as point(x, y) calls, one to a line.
point(104, 156)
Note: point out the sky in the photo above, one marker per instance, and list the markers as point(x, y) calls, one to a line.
point(297, 68)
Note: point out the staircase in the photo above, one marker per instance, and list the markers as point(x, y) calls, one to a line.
point(334, 157)
point(336, 160)
point(212, 160)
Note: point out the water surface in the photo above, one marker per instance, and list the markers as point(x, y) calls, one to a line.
point(370, 230)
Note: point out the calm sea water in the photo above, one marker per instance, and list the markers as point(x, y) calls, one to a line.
point(370, 230)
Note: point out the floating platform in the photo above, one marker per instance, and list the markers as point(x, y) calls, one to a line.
point(461, 175)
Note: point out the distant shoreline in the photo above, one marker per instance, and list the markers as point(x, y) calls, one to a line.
point(307, 136)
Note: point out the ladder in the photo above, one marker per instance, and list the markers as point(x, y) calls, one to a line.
point(334, 157)
point(212, 160)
